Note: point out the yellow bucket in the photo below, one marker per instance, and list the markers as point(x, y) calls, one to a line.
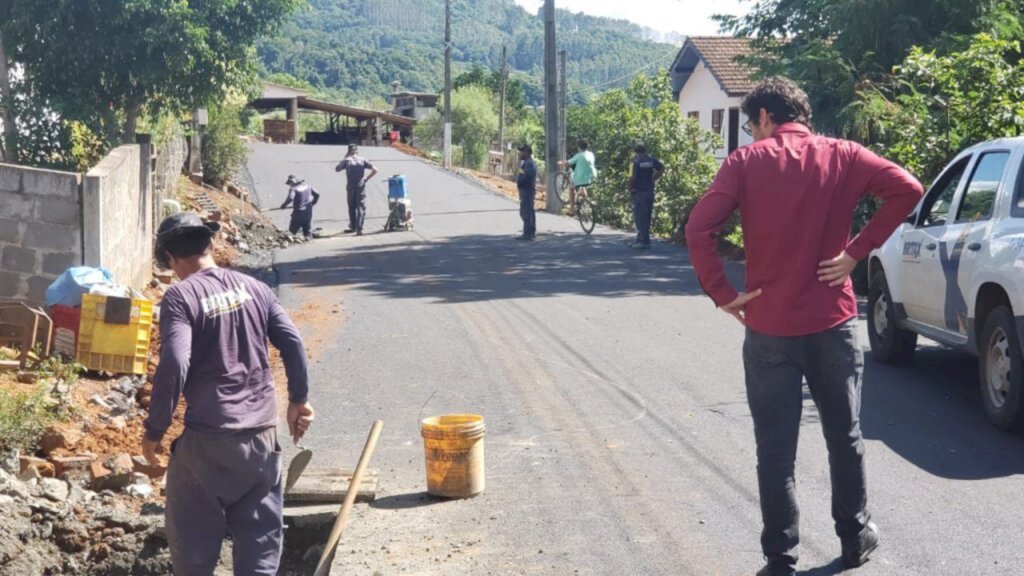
point(454, 449)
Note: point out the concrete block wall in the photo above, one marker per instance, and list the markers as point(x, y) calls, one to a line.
point(40, 229)
point(117, 216)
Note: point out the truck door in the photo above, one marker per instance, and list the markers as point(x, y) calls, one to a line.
point(966, 238)
point(922, 278)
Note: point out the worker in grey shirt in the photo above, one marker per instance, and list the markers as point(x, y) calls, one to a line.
point(355, 167)
point(302, 198)
point(224, 475)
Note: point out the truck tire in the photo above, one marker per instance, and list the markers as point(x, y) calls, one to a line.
point(1000, 368)
point(889, 343)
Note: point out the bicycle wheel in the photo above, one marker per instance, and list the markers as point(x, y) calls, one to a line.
point(562, 184)
point(585, 214)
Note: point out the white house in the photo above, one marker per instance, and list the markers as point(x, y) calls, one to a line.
point(709, 84)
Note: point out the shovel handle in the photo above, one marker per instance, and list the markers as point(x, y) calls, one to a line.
point(323, 567)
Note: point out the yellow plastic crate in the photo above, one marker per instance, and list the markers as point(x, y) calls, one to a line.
point(114, 334)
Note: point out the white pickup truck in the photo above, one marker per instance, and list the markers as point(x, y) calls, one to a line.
point(954, 273)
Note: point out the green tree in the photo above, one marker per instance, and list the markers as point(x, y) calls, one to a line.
point(645, 112)
point(223, 150)
point(833, 47)
point(104, 62)
point(474, 125)
point(937, 105)
point(515, 94)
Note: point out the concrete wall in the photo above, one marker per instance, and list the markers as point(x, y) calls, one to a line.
point(703, 94)
point(40, 229)
point(117, 216)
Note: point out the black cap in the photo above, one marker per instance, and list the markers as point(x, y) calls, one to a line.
point(292, 180)
point(183, 222)
point(640, 148)
point(352, 147)
point(526, 148)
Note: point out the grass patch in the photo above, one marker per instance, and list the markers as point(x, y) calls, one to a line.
point(25, 415)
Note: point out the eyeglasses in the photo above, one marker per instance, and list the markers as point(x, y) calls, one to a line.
point(746, 127)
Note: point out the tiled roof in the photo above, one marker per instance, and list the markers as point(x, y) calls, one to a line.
point(719, 54)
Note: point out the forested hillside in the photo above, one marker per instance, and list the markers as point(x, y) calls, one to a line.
point(358, 47)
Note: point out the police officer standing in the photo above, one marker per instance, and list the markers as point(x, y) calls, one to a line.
point(644, 172)
point(355, 167)
point(526, 183)
point(224, 475)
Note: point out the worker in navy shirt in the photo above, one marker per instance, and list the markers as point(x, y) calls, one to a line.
point(644, 172)
point(225, 468)
point(302, 198)
point(526, 182)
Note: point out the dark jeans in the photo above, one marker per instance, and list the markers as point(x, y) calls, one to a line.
point(301, 221)
point(643, 213)
point(219, 484)
point(527, 211)
point(356, 207)
point(833, 364)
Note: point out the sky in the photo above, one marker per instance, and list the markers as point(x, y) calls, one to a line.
point(689, 17)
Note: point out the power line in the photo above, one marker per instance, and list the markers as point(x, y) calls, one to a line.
point(626, 76)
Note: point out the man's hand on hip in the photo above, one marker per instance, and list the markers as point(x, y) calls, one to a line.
point(737, 307)
point(836, 270)
point(300, 417)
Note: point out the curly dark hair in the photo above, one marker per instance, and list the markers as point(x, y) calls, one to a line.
point(782, 98)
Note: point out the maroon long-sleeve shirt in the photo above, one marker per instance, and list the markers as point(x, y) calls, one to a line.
point(796, 193)
point(214, 328)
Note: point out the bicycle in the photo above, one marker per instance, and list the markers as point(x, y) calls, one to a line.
point(584, 207)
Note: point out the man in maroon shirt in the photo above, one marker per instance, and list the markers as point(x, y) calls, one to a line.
point(796, 193)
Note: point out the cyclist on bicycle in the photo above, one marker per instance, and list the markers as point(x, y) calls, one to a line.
point(584, 170)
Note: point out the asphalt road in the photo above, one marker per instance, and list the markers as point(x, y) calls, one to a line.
point(618, 437)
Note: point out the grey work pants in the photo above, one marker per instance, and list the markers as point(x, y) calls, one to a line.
point(220, 484)
point(833, 364)
point(356, 206)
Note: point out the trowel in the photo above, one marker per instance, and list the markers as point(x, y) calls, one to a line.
point(297, 465)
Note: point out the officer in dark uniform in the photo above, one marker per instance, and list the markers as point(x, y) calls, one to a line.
point(644, 172)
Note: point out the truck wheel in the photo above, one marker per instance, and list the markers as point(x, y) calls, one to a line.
point(889, 342)
point(1001, 366)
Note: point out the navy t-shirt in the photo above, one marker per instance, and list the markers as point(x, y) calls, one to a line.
point(644, 168)
point(214, 327)
point(527, 177)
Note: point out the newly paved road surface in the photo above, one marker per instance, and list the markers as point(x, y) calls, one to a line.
point(618, 436)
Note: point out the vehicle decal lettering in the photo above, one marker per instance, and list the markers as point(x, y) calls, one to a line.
point(912, 249)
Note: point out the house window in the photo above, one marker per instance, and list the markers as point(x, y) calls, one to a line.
point(717, 117)
point(734, 129)
point(695, 115)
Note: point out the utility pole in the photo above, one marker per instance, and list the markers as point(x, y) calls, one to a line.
point(448, 84)
point(563, 104)
point(550, 106)
point(501, 117)
point(9, 136)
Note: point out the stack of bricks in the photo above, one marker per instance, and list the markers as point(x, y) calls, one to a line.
point(280, 131)
point(40, 229)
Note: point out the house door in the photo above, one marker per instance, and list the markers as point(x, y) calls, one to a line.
point(734, 129)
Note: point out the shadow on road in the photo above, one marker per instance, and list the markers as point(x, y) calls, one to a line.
point(930, 413)
point(487, 267)
point(830, 569)
point(407, 501)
